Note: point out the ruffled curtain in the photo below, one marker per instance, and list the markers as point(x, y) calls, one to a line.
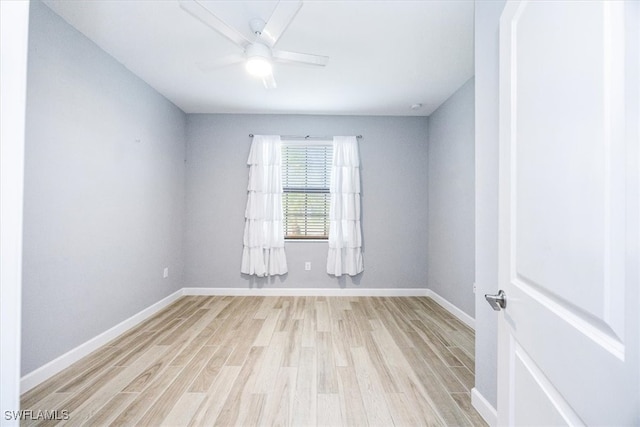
point(345, 235)
point(263, 253)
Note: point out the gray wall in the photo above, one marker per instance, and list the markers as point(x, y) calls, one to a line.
point(394, 201)
point(104, 192)
point(451, 250)
point(487, 16)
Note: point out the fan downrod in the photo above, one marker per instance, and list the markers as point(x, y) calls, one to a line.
point(257, 25)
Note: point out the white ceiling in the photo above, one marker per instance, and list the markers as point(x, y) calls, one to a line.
point(384, 55)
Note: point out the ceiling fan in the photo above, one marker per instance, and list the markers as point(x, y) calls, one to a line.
point(259, 54)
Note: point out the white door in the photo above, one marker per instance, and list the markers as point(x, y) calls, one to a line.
point(569, 220)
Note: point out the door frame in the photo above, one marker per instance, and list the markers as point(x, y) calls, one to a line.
point(14, 29)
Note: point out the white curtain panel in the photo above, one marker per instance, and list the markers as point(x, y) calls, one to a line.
point(345, 235)
point(263, 253)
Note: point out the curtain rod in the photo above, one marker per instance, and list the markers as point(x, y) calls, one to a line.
point(306, 136)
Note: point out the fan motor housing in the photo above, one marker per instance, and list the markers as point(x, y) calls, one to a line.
point(258, 50)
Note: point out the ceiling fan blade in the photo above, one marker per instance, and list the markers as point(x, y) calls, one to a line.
point(269, 81)
point(225, 61)
point(204, 15)
point(280, 19)
point(300, 58)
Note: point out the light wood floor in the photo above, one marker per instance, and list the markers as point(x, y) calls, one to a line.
point(295, 361)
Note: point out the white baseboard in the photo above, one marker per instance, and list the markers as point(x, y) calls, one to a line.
point(484, 408)
point(48, 370)
point(329, 292)
point(461, 315)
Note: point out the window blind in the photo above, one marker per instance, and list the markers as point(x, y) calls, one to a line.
point(306, 175)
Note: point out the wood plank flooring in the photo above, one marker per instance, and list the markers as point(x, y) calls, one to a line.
point(298, 361)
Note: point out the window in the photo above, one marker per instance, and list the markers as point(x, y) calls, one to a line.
point(306, 174)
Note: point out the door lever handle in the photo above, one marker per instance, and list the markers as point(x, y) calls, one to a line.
point(497, 302)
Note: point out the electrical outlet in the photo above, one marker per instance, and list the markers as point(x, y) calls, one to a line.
point(165, 273)
point(307, 266)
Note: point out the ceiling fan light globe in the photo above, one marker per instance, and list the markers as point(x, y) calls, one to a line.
point(259, 66)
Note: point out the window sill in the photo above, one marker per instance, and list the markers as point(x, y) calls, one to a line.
point(306, 240)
